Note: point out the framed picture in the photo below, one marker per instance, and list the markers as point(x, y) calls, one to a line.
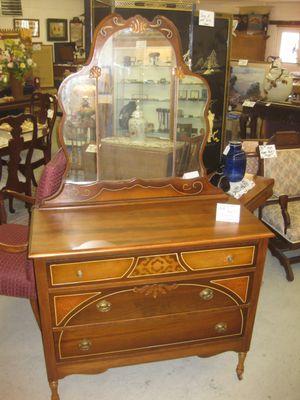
point(246, 82)
point(32, 24)
point(76, 32)
point(57, 30)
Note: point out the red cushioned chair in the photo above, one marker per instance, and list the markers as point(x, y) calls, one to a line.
point(16, 270)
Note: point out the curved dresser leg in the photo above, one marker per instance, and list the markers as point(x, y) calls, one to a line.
point(240, 366)
point(54, 392)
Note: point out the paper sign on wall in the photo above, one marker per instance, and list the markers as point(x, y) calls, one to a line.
point(267, 151)
point(228, 212)
point(206, 18)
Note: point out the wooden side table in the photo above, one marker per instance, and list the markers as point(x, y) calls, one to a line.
point(257, 196)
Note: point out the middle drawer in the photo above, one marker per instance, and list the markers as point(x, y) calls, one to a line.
point(147, 301)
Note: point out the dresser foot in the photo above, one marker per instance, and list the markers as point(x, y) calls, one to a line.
point(54, 392)
point(240, 366)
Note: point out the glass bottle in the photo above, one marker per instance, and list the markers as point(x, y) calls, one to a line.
point(235, 162)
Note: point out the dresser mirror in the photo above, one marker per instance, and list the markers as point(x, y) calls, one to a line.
point(135, 111)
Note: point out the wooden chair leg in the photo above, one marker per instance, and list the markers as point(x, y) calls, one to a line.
point(36, 311)
point(10, 204)
point(283, 259)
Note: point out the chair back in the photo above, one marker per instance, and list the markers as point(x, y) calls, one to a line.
point(44, 107)
point(51, 178)
point(189, 154)
point(285, 168)
point(22, 137)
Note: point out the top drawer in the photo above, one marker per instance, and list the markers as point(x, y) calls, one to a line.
point(219, 258)
point(151, 265)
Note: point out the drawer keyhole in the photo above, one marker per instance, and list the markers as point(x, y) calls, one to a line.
point(85, 345)
point(103, 306)
point(221, 327)
point(206, 294)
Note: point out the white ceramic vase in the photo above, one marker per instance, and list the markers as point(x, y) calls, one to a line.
point(278, 82)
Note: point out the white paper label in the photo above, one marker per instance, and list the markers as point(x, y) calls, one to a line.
point(226, 150)
point(249, 103)
point(141, 44)
point(206, 18)
point(243, 63)
point(50, 113)
point(228, 212)
point(92, 148)
point(191, 175)
point(267, 151)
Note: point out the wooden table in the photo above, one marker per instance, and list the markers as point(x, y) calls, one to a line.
point(5, 137)
point(276, 116)
point(258, 195)
point(14, 106)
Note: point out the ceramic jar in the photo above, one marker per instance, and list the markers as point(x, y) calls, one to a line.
point(235, 162)
point(278, 82)
point(137, 125)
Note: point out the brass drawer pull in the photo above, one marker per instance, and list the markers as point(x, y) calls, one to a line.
point(103, 306)
point(206, 294)
point(85, 345)
point(229, 259)
point(79, 273)
point(221, 327)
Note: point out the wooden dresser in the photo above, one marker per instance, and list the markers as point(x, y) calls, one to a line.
point(137, 270)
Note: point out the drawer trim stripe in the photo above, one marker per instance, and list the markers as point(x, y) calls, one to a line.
point(84, 296)
point(149, 347)
point(243, 293)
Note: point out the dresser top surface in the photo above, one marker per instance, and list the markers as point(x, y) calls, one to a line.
point(121, 228)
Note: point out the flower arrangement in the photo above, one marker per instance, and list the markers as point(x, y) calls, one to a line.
point(15, 59)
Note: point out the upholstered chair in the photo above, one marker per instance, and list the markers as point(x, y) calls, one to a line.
point(282, 212)
point(16, 270)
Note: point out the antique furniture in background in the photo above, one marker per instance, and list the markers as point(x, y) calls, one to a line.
point(20, 150)
point(16, 270)
point(249, 47)
point(44, 107)
point(282, 211)
point(275, 117)
point(137, 269)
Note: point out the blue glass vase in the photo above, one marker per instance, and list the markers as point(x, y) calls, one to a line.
point(235, 162)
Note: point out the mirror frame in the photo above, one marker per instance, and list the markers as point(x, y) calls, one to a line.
point(134, 189)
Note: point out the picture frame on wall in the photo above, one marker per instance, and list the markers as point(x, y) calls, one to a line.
point(246, 82)
point(57, 30)
point(76, 32)
point(26, 23)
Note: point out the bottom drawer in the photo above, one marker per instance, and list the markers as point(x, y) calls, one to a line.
point(148, 332)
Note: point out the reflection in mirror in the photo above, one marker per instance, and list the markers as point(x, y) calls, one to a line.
point(191, 124)
point(129, 115)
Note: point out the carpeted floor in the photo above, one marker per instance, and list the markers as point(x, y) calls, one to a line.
point(272, 369)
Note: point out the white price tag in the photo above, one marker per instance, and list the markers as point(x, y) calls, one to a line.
point(50, 113)
point(267, 151)
point(243, 63)
point(228, 212)
point(206, 18)
point(141, 44)
point(249, 103)
point(226, 150)
point(92, 148)
point(191, 175)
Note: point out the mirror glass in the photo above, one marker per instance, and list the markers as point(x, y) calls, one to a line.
point(129, 115)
